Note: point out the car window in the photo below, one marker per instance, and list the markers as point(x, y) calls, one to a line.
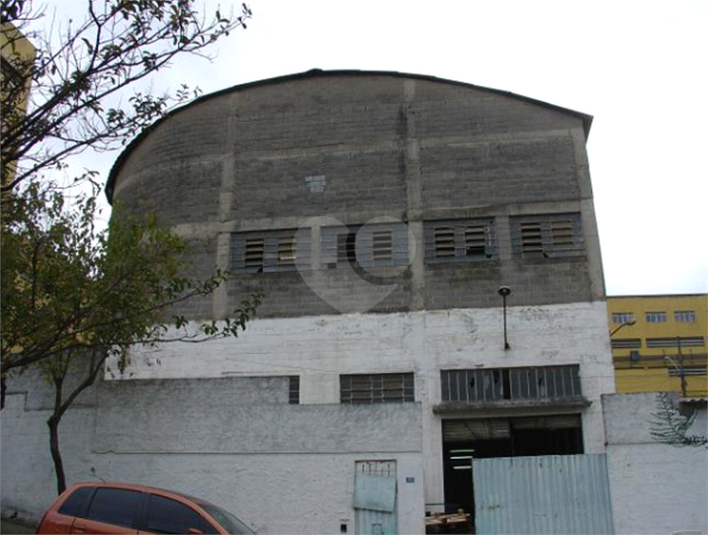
point(114, 506)
point(77, 503)
point(170, 516)
point(226, 519)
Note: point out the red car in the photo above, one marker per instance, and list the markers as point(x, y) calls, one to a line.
point(99, 507)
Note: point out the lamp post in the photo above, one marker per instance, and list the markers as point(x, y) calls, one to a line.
point(504, 291)
point(625, 324)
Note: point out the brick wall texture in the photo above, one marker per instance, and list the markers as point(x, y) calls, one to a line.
point(415, 148)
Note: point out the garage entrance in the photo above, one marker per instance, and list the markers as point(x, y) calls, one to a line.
point(468, 439)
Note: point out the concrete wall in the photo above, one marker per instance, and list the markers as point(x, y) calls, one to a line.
point(320, 348)
point(413, 148)
point(234, 441)
point(655, 488)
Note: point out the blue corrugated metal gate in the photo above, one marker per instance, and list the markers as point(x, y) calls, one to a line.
point(563, 494)
point(375, 501)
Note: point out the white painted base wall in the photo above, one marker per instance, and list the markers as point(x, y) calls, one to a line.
point(319, 349)
point(303, 489)
point(655, 488)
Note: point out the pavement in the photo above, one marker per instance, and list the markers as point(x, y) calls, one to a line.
point(12, 526)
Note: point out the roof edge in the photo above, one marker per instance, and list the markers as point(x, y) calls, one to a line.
point(118, 164)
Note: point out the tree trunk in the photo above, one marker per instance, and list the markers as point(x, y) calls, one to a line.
point(53, 424)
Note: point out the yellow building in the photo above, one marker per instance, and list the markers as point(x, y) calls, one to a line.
point(17, 53)
point(659, 343)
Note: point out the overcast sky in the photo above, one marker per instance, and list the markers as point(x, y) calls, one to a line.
point(639, 68)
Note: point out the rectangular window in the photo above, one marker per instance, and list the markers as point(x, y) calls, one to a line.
point(685, 316)
point(498, 384)
point(547, 236)
point(460, 240)
point(294, 389)
point(270, 251)
point(686, 341)
point(622, 317)
point(688, 371)
point(626, 343)
point(376, 388)
point(655, 317)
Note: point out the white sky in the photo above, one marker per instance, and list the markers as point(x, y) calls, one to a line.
point(639, 68)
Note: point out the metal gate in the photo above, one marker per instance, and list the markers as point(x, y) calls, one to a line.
point(375, 501)
point(542, 495)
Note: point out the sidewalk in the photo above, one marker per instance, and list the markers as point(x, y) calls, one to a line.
point(10, 526)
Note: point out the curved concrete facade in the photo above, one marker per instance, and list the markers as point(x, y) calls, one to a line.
point(351, 145)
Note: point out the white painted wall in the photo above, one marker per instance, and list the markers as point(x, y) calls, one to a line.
point(321, 348)
point(219, 442)
point(655, 488)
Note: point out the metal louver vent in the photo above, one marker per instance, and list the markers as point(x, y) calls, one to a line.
point(531, 241)
point(444, 242)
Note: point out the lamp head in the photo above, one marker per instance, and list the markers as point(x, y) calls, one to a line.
point(504, 291)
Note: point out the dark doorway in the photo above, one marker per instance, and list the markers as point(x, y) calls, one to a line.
point(464, 440)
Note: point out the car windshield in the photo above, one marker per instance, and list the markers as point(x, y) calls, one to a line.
point(226, 519)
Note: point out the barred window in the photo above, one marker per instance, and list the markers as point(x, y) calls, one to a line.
point(461, 240)
point(294, 389)
point(497, 384)
point(550, 235)
point(376, 388)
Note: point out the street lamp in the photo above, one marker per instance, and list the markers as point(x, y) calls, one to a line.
point(625, 324)
point(504, 292)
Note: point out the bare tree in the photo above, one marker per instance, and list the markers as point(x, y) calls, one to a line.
point(84, 76)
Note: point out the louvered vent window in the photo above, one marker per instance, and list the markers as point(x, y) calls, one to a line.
point(371, 245)
point(376, 388)
point(531, 241)
point(382, 245)
point(562, 235)
point(346, 248)
point(286, 251)
point(444, 242)
point(462, 240)
point(547, 236)
point(255, 249)
point(476, 240)
point(270, 251)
